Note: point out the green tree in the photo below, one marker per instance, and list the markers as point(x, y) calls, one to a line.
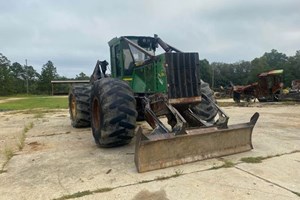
point(292, 69)
point(219, 75)
point(222, 73)
point(48, 74)
point(24, 78)
point(5, 76)
point(269, 61)
point(18, 78)
point(82, 76)
point(259, 65)
point(242, 72)
point(32, 77)
point(275, 59)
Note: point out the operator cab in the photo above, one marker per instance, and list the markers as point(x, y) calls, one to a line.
point(130, 51)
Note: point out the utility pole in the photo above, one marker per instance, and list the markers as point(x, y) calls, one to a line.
point(26, 76)
point(212, 78)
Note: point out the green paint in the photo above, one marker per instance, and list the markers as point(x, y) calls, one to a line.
point(145, 75)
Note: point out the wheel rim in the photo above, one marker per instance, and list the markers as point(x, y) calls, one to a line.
point(96, 113)
point(73, 106)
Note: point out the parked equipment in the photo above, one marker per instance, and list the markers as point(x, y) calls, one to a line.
point(145, 86)
point(291, 94)
point(268, 88)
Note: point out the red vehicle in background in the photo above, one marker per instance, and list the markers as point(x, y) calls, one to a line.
point(268, 88)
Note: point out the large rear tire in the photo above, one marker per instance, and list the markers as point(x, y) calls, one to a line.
point(206, 109)
point(113, 112)
point(79, 105)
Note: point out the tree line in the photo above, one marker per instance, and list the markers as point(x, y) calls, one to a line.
point(245, 72)
point(21, 79)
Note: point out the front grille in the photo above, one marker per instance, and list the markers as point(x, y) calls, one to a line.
point(182, 75)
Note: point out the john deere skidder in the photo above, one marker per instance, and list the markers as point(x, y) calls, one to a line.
point(145, 86)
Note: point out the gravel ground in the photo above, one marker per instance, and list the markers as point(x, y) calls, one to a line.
point(58, 161)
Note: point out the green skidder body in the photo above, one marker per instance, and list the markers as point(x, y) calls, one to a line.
point(130, 64)
point(150, 78)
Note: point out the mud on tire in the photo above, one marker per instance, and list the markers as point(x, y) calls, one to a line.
point(79, 105)
point(113, 112)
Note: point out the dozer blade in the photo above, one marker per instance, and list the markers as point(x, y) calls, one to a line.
point(165, 150)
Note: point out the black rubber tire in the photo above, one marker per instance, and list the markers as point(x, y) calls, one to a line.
point(236, 97)
point(113, 112)
point(206, 110)
point(79, 105)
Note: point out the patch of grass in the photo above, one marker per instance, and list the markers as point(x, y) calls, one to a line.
point(296, 193)
point(215, 167)
point(226, 104)
point(8, 154)
point(39, 115)
point(36, 111)
point(178, 172)
point(8, 151)
point(83, 193)
point(259, 159)
point(33, 102)
point(21, 140)
point(101, 190)
point(28, 127)
point(252, 159)
point(75, 195)
point(161, 178)
point(145, 181)
point(227, 164)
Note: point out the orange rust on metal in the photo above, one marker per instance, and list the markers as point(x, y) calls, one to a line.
point(165, 150)
point(185, 100)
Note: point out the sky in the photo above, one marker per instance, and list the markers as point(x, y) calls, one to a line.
point(74, 34)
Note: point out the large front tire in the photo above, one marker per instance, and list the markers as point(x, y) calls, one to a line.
point(113, 112)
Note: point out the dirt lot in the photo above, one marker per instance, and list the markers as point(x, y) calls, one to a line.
point(58, 161)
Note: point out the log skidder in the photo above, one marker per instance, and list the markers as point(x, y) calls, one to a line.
point(149, 87)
